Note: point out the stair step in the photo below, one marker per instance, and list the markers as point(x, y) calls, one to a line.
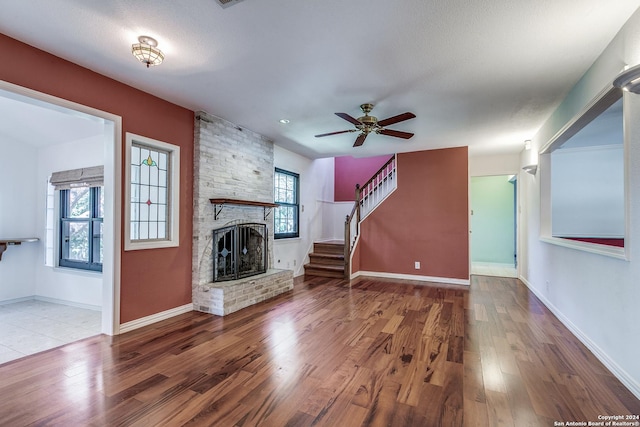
point(326, 259)
point(324, 270)
point(332, 247)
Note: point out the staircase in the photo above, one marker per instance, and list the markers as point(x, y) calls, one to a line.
point(326, 260)
point(331, 258)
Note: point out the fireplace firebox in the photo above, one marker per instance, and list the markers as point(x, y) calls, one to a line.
point(239, 251)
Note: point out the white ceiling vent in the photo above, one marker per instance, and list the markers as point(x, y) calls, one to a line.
point(226, 3)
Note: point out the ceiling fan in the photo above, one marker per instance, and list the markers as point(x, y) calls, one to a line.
point(368, 124)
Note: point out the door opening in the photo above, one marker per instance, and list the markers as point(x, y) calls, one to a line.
point(494, 226)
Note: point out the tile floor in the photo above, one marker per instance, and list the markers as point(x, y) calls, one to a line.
point(33, 326)
point(491, 269)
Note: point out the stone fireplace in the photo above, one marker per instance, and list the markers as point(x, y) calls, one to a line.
point(232, 163)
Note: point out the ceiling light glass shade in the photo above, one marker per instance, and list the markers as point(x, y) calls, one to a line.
point(147, 52)
point(629, 80)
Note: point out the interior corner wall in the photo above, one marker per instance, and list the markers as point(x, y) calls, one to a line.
point(426, 219)
point(350, 171)
point(594, 295)
point(316, 188)
point(65, 284)
point(154, 280)
point(18, 210)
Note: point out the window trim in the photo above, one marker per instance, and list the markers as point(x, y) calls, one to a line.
point(603, 100)
point(173, 201)
point(296, 234)
point(92, 220)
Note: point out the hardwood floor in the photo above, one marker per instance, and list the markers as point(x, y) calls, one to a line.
point(378, 353)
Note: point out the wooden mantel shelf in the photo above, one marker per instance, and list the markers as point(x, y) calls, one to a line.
point(14, 242)
point(219, 203)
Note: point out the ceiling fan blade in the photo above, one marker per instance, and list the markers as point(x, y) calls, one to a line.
point(396, 133)
point(348, 118)
point(395, 119)
point(334, 133)
point(360, 140)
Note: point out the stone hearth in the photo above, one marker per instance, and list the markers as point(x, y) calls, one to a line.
point(224, 298)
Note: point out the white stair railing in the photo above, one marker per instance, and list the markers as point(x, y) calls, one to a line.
point(374, 191)
point(368, 197)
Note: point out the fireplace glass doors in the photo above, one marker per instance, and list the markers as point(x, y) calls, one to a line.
point(239, 251)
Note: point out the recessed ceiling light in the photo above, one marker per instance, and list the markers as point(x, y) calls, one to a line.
point(284, 121)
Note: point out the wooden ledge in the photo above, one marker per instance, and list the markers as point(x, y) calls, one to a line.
point(219, 203)
point(242, 202)
point(14, 242)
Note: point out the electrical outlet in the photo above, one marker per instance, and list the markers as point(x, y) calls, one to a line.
point(294, 262)
point(417, 264)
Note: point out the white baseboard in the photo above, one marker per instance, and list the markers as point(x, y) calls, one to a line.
point(15, 300)
point(492, 264)
point(149, 320)
point(602, 356)
point(446, 280)
point(53, 301)
point(69, 303)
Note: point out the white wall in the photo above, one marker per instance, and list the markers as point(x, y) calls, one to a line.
point(587, 197)
point(79, 287)
point(18, 219)
point(594, 295)
point(499, 164)
point(316, 192)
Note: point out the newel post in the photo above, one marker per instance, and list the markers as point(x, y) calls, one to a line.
point(357, 203)
point(347, 247)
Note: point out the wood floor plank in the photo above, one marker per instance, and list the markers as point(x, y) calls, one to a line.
point(372, 352)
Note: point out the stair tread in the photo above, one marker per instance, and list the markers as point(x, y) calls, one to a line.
point(324, 267)
point(326, 255)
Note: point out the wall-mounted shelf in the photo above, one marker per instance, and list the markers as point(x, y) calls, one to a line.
point(14, 242)
point(218, 204)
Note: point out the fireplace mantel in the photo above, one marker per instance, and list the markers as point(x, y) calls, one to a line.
point(218, 204)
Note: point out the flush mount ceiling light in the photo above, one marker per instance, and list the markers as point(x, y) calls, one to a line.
point(629, 80)
point(147, 52)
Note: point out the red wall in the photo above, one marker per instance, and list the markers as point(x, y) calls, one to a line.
point(425, 219)
point(151, 280)
point(349, 171)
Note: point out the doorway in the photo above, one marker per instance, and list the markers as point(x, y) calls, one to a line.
point(494, 225)
point(45, 133)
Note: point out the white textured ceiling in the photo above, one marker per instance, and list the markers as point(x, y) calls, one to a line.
point(479, 73)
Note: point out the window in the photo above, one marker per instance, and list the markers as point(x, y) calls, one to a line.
point(80, 219)
point(152, 193)
point(287, 197)
point(583, 185)
point(81, 231)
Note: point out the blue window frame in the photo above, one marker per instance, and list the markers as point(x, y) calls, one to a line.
point(81, 228)
point(287, 196)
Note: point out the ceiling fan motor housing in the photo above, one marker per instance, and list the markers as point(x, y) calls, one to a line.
point(368, 120)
